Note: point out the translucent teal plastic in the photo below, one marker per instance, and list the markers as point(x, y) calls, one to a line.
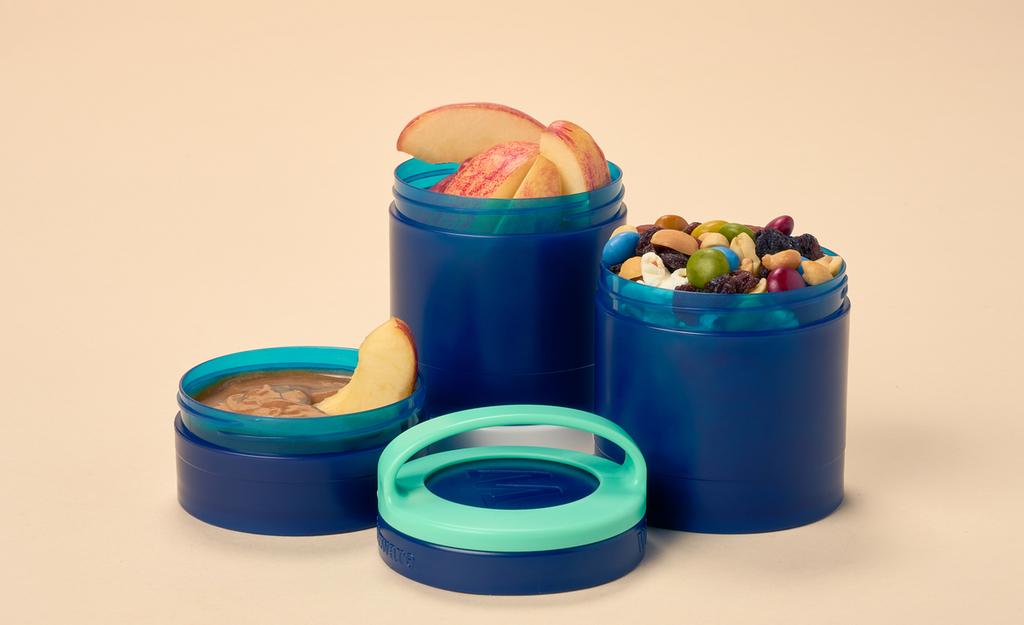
point(710, 312)
point(291, 436)
point(407, 505)
point(471, 215)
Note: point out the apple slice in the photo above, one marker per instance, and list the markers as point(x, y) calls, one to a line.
point(456, 132)
point(333, 400)
point(441, 184)
point(496, 172)
point(385, 373)
point(574, 152)
point(541, 181)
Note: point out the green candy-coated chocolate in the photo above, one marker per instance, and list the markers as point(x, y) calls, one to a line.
point(732, 229)
point(704, 265)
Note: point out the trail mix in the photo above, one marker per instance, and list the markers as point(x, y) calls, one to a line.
point(719, 256)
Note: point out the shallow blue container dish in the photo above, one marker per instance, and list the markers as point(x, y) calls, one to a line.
point(738, 402)
point(510, 520)
point(283, 476)
point(499, 293)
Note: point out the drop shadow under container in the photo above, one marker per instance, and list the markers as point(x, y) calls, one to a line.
point(499, 293)
point(283, 476)
point(738, 402)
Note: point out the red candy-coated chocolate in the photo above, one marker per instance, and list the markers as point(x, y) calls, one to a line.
point(783, 224)
point(785, 279)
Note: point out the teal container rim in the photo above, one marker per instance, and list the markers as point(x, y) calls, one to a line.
point(473, 215)
point(203, 420)
point(718, 312)
point(643, 295)
point(406, 504)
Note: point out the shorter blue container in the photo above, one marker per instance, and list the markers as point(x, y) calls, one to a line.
point(280, 476)
point(738, 402)
point(511, 520)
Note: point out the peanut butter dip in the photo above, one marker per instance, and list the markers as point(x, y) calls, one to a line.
point(284, 393)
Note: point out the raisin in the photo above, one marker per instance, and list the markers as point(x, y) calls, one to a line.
point(771, 241)
point(762, 272)
point(615, 268)
point(644, 244)
point(690, 227)
point(808, 246)
point(688, 287)
point(738, 281)
point(673, 260)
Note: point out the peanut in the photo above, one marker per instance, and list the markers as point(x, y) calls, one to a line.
point(630, 269)
point(623, 228)
point(760, 287)
point(832, 263)
point(835, 265)
point(787, 258)
point(815, 273)
point(676, 240)
point(711, 239)
point(743, 245)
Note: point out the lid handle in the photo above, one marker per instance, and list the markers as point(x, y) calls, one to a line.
point(410, 442)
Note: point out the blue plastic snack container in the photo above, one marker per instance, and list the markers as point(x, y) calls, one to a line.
point(499, 293)
point(283, 476)
point(738, 402)
point(511, 520)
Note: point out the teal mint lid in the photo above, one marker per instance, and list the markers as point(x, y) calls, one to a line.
point(510, 499)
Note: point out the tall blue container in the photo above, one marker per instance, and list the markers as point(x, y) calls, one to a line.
point(499, 293)
point(738, 402)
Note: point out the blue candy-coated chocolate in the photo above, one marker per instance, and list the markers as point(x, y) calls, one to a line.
point(733, 257)
point(619, 248)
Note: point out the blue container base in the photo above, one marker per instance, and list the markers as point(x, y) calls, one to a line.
point(734, 507)
point(527, 573)
point(299, 495)
point(724, 459)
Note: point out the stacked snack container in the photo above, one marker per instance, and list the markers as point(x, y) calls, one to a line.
point(738, 402)
point(499, 293)
point(276, 475)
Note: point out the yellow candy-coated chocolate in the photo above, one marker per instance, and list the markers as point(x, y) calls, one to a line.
point(708, 226)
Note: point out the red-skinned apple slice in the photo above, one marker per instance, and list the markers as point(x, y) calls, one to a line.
point(577, 156)
point(441, 184)
point(385, 373)
point(542, 180)
point(456, 132)
point(496, 172)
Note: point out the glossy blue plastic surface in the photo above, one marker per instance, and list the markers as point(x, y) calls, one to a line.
point(504, 573)
point(511, 483)
point(283, 495)
point(743, 428)
point(502, 314)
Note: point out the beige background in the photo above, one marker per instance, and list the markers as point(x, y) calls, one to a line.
point(186, 180)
